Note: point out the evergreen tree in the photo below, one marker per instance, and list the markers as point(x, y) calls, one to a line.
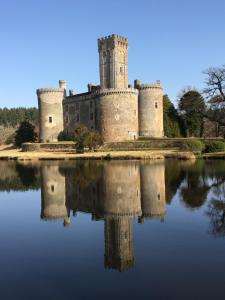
point(25, 133)
point(12, 117)
point(192, 110)
point(172, 123)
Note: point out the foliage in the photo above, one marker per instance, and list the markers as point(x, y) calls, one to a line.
point(86, 138)
point(25, 133)
point(214, 146)
point(171, 121)
point(10, 139)
point(63, 136)
point(195, 146)
point(14, 116)
point(5, 133)
point(192, 109)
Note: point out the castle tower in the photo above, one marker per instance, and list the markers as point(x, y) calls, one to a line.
point(150, 109)
point(53, 193)
point(51, 112)
point(113, 62)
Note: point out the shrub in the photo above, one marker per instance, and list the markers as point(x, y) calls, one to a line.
point(25, 133)
point(214, 146)
point(63, 136)
point(195, 146)
point(86, 138)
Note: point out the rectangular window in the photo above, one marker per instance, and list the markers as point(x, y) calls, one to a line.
point(91, 116)
point(156, 105)
point(91, 104)
point(50, 119)
point(78, 118)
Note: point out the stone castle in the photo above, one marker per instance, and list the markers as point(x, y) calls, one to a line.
point(114, 108)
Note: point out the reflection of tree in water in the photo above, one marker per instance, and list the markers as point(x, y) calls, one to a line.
point(27, 174)
point(18, 177)
point(196, 187)
point(174, 175)
point(82, 173)
point(216, 208)
point(216, 212)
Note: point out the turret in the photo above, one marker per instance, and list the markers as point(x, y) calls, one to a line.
point(150, 109)
point(51, 112)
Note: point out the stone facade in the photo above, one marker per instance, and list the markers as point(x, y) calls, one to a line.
point(118, 111)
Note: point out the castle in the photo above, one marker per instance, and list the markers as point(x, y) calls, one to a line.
point(114, 108)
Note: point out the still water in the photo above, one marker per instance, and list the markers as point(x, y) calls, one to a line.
point(112, 230)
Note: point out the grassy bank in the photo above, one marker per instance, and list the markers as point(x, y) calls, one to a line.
point(17, 154)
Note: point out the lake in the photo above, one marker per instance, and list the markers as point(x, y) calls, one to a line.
point(112, 230)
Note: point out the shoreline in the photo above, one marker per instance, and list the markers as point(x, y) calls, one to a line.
point(17, 154)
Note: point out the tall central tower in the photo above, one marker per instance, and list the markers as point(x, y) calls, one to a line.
point(113, 62)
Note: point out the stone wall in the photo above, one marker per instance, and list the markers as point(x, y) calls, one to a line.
point(79, 110)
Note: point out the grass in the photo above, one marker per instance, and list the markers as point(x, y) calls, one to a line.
point(17, 154)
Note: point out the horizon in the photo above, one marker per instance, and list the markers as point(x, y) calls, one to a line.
point(47, 41)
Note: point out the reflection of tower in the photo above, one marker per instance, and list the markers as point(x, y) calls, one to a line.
point(120, 204)
point(53, 204)
point(119, 252)
point(153, 190)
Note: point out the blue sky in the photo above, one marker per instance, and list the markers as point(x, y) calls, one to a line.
point(42, 41)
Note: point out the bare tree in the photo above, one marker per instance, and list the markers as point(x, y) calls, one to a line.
point(215, 84)
point(215, 94)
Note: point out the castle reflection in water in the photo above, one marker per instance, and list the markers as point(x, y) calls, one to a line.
point(114, 192)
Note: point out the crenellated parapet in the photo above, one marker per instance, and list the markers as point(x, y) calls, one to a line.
point(111, 41)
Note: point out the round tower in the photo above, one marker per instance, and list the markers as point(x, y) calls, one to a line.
point(150, 109)
point(51, 112)
point(117, 111)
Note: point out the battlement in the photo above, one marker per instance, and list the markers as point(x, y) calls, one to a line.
point(111, 41)
point(141, 86)
point(113, 37)
point(49, 90)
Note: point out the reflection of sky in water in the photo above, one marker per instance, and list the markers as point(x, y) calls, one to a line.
point(175, 255)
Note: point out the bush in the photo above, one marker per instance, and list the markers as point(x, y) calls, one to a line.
point(86, 138)
point(214, 146)
point(195, 146)
point(25, 133)
point(63, 136)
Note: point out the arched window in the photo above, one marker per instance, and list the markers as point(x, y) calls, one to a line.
point(156, 104)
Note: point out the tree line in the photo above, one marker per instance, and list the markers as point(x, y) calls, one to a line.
point(12, 117)
point(196, 108)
